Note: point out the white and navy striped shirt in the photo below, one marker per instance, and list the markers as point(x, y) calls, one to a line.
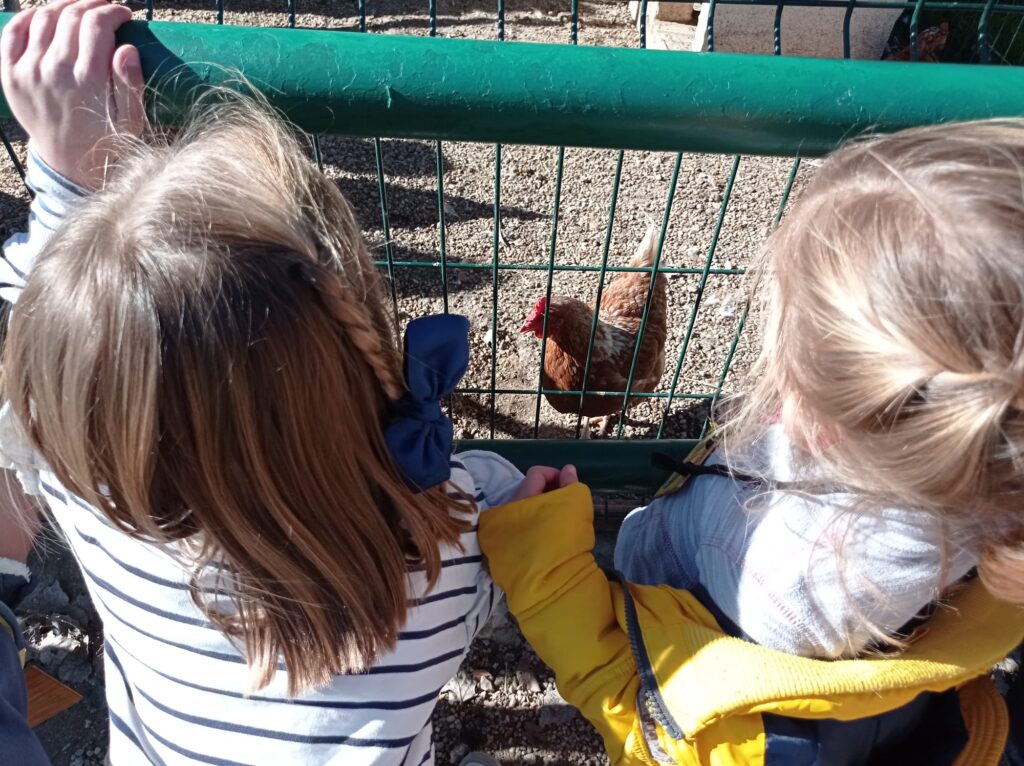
point(176, 687)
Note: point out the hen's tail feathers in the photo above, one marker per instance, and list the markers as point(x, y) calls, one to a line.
point(644, 255)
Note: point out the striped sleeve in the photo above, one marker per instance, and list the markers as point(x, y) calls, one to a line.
point(55, 198)
point(494, 477)
point(494, 480)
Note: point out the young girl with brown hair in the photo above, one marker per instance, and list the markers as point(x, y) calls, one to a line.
point(205, 387)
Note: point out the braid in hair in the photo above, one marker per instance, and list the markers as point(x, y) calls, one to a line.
point(366, 336)
point(354, 295)
point(356, 315)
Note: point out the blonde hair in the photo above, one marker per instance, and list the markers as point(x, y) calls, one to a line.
point(203, 354)
point(893, 312)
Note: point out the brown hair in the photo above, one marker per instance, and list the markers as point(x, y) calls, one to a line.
point(203, 354)
point(893, 314)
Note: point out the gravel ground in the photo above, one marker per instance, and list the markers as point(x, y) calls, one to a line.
point(503, 700)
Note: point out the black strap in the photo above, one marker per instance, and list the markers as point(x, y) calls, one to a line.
point(686, 468)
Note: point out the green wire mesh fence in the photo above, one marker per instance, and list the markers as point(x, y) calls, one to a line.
point(488, 230)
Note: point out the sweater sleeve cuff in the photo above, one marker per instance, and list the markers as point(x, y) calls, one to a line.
point(16, 568)
point(561, 523)
point(42, 179)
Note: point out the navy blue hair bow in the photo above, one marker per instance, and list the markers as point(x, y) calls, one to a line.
point(420, 434)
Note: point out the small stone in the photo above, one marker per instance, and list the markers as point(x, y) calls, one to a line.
point(74, 670)
point(552, 697)
point(462, 688)
point(555, 715)
point(528, 680)
point(52, 598)
point(729, 307)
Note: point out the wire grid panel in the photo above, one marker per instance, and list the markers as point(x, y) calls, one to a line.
point(488, 230)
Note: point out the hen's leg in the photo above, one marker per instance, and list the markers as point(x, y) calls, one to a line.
point(604, 425)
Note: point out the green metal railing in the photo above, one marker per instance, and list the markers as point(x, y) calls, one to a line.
point(473, 90)
point(495, 92)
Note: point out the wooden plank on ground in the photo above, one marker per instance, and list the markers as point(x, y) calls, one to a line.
point(46, 696)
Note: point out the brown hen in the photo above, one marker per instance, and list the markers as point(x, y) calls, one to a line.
point(621, 310)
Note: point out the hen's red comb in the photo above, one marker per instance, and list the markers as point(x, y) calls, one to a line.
point(535, 321)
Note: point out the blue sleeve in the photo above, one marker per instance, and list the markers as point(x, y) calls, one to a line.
point(18, 744)
point(655, 544)
point(695, 537)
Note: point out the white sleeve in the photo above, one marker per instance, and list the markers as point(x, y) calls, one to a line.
point(495, 477)
point(814, 578)
point(495, 480)
point(55, 198)
point(14, 568)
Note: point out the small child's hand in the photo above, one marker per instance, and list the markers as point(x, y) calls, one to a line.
point(541, 479)
point(70, 86)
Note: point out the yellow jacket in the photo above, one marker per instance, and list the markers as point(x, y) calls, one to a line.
point(653, 671)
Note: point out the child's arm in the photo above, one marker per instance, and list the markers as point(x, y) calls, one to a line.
point(62, 76)
point(539, 553)
point(70, 86)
